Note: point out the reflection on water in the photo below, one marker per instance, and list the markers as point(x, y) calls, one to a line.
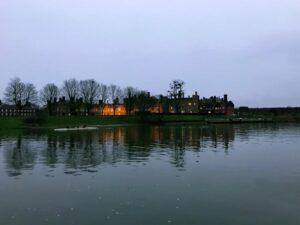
point(84, 151)
point(171, 174)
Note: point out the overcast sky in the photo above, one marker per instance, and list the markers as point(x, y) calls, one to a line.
point(249, 49)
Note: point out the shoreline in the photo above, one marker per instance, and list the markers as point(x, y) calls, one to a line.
point(53, 122)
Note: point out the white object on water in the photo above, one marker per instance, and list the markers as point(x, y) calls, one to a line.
point(76, 128)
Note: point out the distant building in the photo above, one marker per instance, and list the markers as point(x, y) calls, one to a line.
point(12, 110)
point(164, 105)
point(181, 105)
point(109, 110)
point(65, 107)
point(195, 105)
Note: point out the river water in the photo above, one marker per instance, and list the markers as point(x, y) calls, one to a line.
point(135, 175)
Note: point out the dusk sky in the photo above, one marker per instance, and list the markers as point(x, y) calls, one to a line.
point(249, 49)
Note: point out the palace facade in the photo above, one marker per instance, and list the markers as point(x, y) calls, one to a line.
point(12, 110)
point(165, 105)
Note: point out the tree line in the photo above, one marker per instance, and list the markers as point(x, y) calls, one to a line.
point(87, 92)
point(20, 93)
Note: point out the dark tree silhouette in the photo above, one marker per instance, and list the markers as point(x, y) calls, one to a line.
point(176, 92)
point(103, 89)
point(130, 98)
point(49, 93)
point(71, 89)
point(14, 91)
point(176, 89)
point(112, 90)
point(30, 95)
point(20, 94)
point(89, 92)
point(143, 101)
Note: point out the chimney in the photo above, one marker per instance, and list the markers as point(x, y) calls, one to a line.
point(196, 96)
point(226, 98)
point(179, 94)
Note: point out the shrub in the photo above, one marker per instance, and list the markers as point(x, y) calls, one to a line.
point(39, 118)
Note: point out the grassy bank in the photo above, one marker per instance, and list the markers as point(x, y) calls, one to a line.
point(73, 121)
point(177, 118)
point(11, 123)
point(66, 121)
point(277, 114)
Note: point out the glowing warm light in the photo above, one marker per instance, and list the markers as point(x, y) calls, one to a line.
point(111, 110)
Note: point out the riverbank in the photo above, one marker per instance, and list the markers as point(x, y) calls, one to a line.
point(64, 121)
point(51, 122)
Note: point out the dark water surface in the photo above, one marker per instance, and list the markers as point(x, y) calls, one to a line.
point(135, 175)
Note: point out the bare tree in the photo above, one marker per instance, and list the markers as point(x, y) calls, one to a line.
point(89, 90)
point(103, 92)
point(30, 95)
point(176, 89)
point(176, 92)
point(129, 98)
point(70, 89)
point(14, 91)
point(49, 93)
point(112, 92)
point(130, 91)
point(120, 94)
